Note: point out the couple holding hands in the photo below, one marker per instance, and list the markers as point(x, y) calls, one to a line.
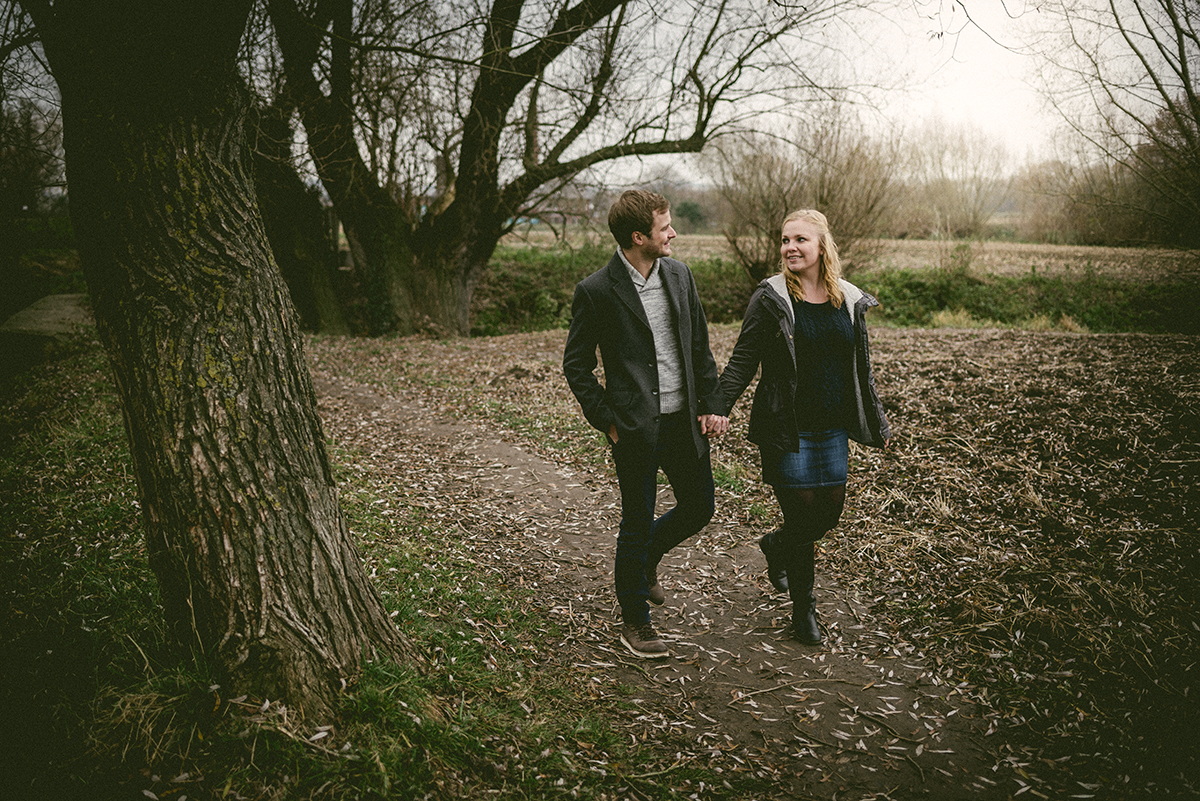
point(662, 399)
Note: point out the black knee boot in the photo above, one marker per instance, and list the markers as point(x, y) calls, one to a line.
point(802, 575)
point(771, 547)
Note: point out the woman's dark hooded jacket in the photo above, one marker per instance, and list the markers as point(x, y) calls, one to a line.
point(767, 337)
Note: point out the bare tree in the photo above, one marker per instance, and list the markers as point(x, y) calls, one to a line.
point(257, 572)
point(30, 152)
point(1081, 202)
point(828, 162)
point(957, 176)
point(760, 180)
point(434, 127)
point(1124, 76)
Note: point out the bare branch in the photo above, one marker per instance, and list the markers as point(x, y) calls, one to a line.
point(1135, 60)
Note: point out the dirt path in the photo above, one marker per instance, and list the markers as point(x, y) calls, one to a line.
point(859, 717)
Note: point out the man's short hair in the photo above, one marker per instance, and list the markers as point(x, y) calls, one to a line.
point(634, 211)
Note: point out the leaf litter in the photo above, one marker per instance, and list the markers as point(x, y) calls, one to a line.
point(1009, 602)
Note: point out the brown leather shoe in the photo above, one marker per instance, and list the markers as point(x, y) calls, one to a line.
point(643, 641)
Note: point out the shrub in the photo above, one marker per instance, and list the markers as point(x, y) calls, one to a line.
point(724, 289)
point(530, 289)
point(1090, 302)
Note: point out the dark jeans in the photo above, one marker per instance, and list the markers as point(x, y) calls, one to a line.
point(643, 540)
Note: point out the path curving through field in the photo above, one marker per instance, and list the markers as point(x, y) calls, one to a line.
point(858, 717)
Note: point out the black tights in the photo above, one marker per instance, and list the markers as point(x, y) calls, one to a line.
point(807, 515)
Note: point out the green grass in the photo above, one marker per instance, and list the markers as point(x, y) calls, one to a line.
point(731, 476)
point(98, 703)
point(530, 289)
point(79, 602)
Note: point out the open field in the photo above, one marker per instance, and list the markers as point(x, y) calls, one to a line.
point(1012, 258)
point(1030, 538)
point(928, 284)
point(998, 258)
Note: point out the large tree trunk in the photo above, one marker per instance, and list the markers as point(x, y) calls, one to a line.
point(380, 259)
point(428, 279)
point(455, 249)
point(257, 571)
point(417, 276)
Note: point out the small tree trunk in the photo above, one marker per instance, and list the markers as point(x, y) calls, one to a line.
point(258, 574)
point(381, 259)
point(296, 226)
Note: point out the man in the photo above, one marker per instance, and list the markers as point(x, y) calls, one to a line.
point(660, 387)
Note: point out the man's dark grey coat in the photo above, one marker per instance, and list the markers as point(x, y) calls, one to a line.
point(607, 313)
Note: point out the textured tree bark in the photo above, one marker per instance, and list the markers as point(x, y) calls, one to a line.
point(258, 574)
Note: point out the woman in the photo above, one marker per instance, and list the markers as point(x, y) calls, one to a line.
point(806, 327)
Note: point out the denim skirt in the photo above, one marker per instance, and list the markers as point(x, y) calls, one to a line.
point(820, 462)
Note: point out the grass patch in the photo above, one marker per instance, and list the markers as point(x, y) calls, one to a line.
point(80, 604)
point(732, 476)
point(961, 297)
point(960, 318)
point(530, 289)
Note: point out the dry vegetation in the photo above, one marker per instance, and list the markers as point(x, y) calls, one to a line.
point(997, 258)
point(1033, 532)
point(1014, 258)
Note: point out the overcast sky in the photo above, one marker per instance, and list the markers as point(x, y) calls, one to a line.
point(975, 74)
point(972, 76)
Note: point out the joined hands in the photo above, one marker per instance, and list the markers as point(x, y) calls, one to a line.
point(713, 425)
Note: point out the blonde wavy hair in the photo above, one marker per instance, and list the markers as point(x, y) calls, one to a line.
point(829, 262)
